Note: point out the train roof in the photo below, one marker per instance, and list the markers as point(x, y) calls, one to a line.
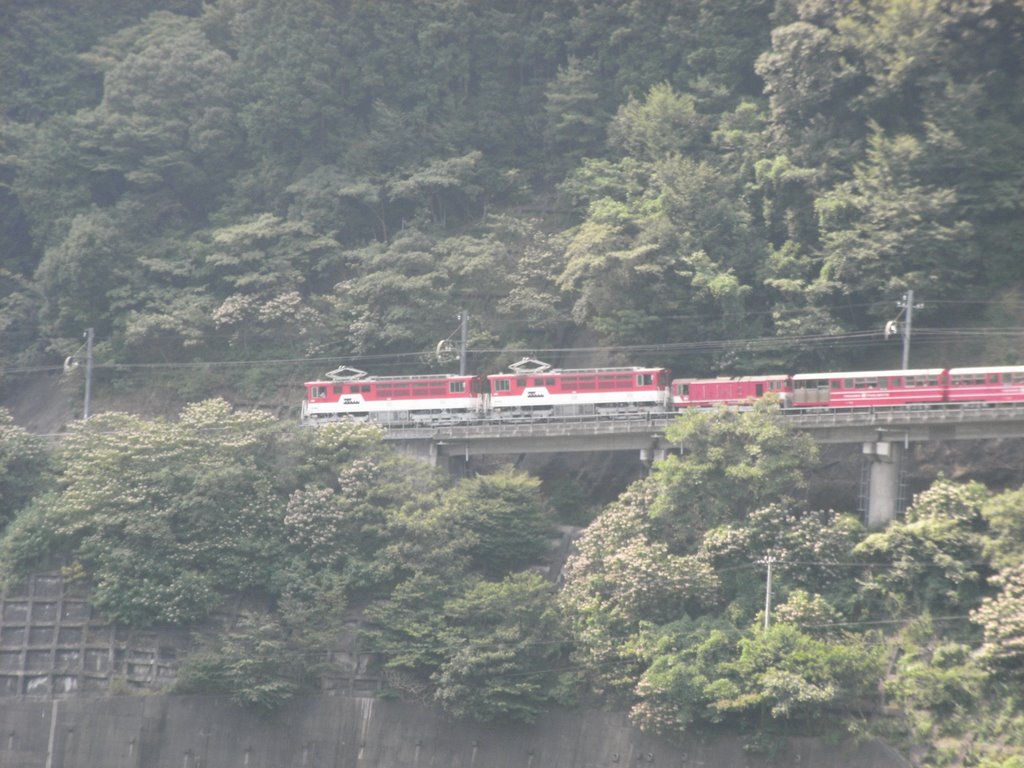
point(766, 377)
point(415, 377)
point(863, 374)
point(990, 369)
point(576, 371)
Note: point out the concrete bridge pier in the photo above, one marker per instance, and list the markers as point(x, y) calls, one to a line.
point(884, 499)
point(650, 456)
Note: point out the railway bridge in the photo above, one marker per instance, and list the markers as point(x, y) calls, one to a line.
point(885, 432)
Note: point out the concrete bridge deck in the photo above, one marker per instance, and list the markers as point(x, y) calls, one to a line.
point(884, 432)
point(827, 426)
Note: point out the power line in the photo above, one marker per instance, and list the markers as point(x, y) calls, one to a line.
point(840, 340)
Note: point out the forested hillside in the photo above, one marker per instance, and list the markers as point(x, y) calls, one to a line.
point(247, 180)
point(238, 194)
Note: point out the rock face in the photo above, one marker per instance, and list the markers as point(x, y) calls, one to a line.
point(355, 732)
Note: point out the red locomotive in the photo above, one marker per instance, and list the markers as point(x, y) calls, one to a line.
point(534, 389)
point(429, 399)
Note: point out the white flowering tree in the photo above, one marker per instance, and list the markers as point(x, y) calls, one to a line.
point(1002, 620)
point(621, 577)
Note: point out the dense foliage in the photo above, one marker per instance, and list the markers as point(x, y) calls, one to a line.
point(242, 179)
point(228, 183)
point(662, 609)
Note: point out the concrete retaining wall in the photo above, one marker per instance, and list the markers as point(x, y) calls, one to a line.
point(354, 732)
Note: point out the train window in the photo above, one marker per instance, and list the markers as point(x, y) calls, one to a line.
point(318, 391)
point(456, 386)
point(644, 379)
point(550, 381)
point(366, 387)
point(758, 390)
point(933, 381)
point(521, 381)
point(993, 378)
point(836, 384)
point(502, 385)
point(1017, 377)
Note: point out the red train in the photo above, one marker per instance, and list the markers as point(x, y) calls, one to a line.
point(534, 390)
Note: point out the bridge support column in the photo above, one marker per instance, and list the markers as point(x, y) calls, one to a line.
point(650, 456)
point(883, 491)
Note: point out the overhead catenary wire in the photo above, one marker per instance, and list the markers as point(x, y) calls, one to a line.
point(846, 340)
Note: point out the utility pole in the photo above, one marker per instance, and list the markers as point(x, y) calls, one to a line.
point(88, 372)
point(768, 592)
point(909, 306)
point(464, 318)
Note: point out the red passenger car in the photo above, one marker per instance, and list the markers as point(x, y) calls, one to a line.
point(349, 392)
point(535, 389)
point(730, 391)
point(862, 389)
point(1003, 384)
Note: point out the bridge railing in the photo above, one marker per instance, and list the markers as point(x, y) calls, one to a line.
point(804, 418)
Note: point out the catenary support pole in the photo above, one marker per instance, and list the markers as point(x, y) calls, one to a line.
point(768, 593)
point(88, 373)
point(464, 327)
point(908, 305)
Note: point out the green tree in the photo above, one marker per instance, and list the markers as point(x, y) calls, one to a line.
point(575, 119)
point(937, 681)
point(667, 245)
point(164, 518)
point(263, 271)
point(505, 646)
point(24, 467)
point(251, 663)
point(888, 229)
point(795, 676)
point(731, 463)
point(295, 80)
point(505, 515)
point(408, 629)
point(675, 690)
point(933, 559)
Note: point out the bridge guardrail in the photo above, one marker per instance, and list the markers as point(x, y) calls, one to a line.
point(808, 419)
